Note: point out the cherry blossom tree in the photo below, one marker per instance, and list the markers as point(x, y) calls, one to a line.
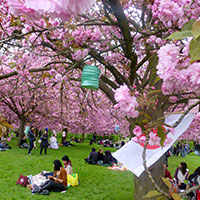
point(129, 41)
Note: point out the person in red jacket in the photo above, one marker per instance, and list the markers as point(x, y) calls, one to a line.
point(167, 173)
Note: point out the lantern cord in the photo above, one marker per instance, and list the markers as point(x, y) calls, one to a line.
point(87, 94)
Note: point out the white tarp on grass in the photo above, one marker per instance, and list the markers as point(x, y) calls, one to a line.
point(130, 155)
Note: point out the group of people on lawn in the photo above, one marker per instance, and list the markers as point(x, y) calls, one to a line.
point(57, 180)
point(181, 175)
point(100, 158)
point(43, 140)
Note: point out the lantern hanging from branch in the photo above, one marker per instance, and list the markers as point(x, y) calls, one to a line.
point(90, 77)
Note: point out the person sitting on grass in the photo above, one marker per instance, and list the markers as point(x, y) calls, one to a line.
point(100, 156)
point(93, 157)
point(181, 174)
point(107, 159)
point(56, 183)
point(53, 142)
point(194, 179)
point(67, 164)
point(23, 142)
point(167, 173)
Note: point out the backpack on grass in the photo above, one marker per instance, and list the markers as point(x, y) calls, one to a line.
point(22, 180)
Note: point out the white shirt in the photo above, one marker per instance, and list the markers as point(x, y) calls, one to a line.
point(53, 143)
point(64, 134)
point(182, 177)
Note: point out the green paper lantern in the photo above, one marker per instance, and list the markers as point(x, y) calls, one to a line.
point(90, 77)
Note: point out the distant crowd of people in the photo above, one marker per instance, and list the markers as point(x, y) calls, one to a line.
point(57, 180)
point(46, 141)
point(183, 148)
point(106, 142)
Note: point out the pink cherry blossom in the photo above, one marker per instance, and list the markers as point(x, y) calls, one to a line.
point(137, 131)
point(173, 99)
point(63, 9)
point(153, 139)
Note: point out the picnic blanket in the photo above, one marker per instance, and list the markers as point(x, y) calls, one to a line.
point(37, 179)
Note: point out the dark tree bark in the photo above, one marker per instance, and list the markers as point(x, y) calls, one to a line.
point(21, 130)
point(143, 184)
point(82, 139)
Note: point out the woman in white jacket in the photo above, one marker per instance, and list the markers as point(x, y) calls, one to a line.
point(53, 142)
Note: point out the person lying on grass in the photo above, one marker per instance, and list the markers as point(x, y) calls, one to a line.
point(56, 183)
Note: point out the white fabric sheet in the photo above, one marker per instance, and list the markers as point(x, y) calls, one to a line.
point(130, 155)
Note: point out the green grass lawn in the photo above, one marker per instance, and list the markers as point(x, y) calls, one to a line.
point(96, 182)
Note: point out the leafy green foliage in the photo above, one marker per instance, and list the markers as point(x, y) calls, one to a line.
point(161, 134)
point(4, 125)
point(175, 196)
point(180, 35)
point(195, 49)
point(188, 25)
point(153, 193)
point(196, 29)
point(166, 182)
point(190, 29)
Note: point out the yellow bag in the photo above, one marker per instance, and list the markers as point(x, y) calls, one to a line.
point(72, 179)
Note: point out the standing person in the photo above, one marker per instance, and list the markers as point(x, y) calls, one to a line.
point(64, 134)
point(56, 183)
point(44, 142)
point(177, 148)
point(187, 148)
point(31, 138)
point(94, 137)
point(26, 130)
point(182, 149)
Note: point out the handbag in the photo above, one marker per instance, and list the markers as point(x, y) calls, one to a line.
point(22, 180)
point(72, 179)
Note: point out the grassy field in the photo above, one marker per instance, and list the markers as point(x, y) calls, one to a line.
point(96, 182)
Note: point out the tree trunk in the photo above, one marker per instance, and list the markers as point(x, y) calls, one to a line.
point(21, 130)
point(82, 139)
point(143, 184)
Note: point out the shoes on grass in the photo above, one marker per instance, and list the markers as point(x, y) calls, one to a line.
point(44, 192)
point(63, 191)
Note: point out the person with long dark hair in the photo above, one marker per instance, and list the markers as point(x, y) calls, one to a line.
point(64, 134)
point(44, 142)
point(67, 164)
point(31, 138)
point(181, 174)
point(56, 183)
